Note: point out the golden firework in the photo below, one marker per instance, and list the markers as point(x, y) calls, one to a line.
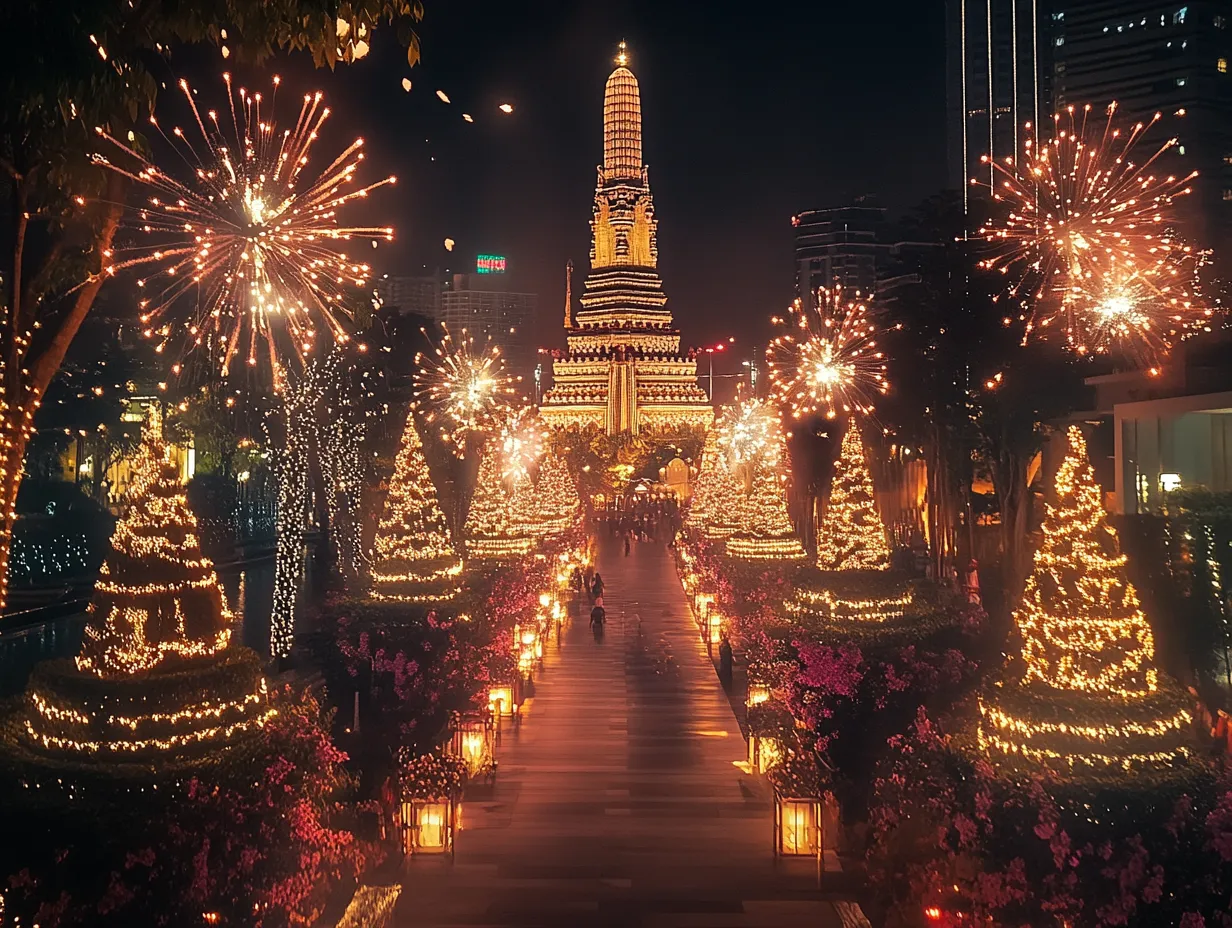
point(246, 234)
point(521, 444)
point(827, 360)
point(1086, 236)
point(465, 389)
point(749, 433)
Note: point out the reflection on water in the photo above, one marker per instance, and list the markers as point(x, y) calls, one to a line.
point(248, 588)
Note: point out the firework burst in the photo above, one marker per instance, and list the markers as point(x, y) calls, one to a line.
point(465, 389)
point(749, 433)
point(1086, 231)
point(246, 234)
point(827, 360)
point(521, 444)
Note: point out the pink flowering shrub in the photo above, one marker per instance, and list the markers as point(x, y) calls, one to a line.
point(949, 833)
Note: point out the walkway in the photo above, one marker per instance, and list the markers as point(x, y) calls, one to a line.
point(618, 802)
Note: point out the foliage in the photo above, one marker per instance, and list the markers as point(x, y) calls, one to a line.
point(433, 776)
point(259, 838)
point(948, 832)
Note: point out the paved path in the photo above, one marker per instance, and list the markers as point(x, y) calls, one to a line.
point(618, 802)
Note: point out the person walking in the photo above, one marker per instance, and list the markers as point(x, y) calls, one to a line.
point(972, 582)
point(628, 544)
point(597, 618)
point(596, 587)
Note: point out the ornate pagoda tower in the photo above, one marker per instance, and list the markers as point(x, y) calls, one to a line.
point(624, 371)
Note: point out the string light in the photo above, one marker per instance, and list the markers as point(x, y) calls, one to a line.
point(764, 531)
point(249, 238)
point(1090, 695)
point(717, 492)
point(489, 530)
point(852, 535)
point(415, 558)
point(827, 360)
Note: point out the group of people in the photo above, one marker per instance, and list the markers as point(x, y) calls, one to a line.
point(592, 585)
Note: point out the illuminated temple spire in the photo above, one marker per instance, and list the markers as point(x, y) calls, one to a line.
point(623, 371)
point(622, 123)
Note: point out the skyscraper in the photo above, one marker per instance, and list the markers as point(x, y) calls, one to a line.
point(481, 304)
point(1155, 57)
point(997, 79)
point(623, 371)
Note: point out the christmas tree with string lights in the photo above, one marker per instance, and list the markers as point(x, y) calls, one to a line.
point(717, 495)
point(765, 531)
point(415, 561)
point(556, 505)
point(1089, 696)
point(489, 530)
point(156, 672)
point(852, 535)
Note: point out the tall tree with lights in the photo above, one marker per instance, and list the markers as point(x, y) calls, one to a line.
point(852, 535)
point(764, 527)
point(1089, 692)
point(556, 504)
point(157, 594)
point(415, 560)
point(489, 530)
point(718, 493)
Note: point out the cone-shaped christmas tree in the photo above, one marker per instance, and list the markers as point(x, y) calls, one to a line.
point(765, 531)
point(1089, 693)
point(556, 505)
point(489, 530)
point(852, 535)
point(155, 673)
point(157, 596)
point(717, 496)
point(415, 559)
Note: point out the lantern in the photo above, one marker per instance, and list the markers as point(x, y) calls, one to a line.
point(701, 607)
point(715, 622)
point(428, 826)
point(472, 739)
point(797, 826)
point(764, 752)
point(758, 693)
point(500, 700)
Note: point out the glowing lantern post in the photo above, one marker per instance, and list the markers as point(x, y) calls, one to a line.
point(797, 826)
point(471, 739)
point(431, 789)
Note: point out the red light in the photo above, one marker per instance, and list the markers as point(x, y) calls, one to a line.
point(933, 913)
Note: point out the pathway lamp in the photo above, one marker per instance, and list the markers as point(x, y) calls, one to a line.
point(764, 752)
point(714, 623)
point(428, 825)
point(797, 825)
point(500, 700)
point(757, 694)
point(471, 739)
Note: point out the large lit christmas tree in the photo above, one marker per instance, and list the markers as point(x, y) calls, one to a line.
point(765, 531)
point(156, 672)
point(1089, 695)
point(852, 535)
point(555, 502)
point(717, 494)
point(415, 559)
point(490, 531)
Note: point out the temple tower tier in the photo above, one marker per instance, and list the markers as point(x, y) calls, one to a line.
point(623, 370)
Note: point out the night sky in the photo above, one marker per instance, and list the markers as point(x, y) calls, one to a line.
point(752, 112)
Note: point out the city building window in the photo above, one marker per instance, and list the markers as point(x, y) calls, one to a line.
point(1179, 16)
point(1227, 159)
point(1227, 193)
point(1181, 81)
point(1059, 41)
point(1058, 17)
point(1221, 22)
point(1222, 65)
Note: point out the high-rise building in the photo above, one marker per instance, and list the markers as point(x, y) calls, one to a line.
point(419, 295)
point(623, 371)
point(854, 247)
point(997, 80)
point(1169, 58)
point(480, 304)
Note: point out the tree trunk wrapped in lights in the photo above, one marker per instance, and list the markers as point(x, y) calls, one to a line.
point(489, 531)
point(765, 530)
point(415, 558)
point(1089, 695)
point(717, 495)
point(852, 535)
point(156, 673)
